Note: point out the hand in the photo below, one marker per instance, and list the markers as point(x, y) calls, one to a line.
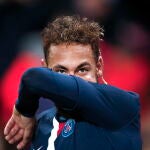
point(19, 129)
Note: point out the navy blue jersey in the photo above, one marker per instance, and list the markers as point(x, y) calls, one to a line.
point(100, 116)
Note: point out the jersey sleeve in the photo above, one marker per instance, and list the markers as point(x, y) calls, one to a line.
point(102, 105)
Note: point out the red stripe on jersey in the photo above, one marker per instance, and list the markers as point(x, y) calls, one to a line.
point(61, 126)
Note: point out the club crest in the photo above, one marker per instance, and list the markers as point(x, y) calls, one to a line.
point(68, 128)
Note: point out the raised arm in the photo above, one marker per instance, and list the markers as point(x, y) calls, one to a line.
point(102, 105)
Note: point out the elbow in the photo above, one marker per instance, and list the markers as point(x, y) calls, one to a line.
point(31, 76)
point(28, 76)
point(35, 77)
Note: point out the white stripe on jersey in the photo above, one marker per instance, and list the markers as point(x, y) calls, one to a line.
point(53, 136)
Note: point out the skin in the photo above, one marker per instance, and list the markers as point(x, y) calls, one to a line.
point(73, 59)
point(19, 129)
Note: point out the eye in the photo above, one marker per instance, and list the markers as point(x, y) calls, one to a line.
point(83, 70)
point(61, 71)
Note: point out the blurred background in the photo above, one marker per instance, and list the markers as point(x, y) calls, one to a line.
point(125, 48)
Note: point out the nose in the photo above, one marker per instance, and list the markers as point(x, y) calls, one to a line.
point(71, 73)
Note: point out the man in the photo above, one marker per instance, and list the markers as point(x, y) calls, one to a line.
point(88, 115)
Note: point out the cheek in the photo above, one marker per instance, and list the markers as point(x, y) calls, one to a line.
point(91, 78)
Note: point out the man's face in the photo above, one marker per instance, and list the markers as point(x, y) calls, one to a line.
point(73, 59)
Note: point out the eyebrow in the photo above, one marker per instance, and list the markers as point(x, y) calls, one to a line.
point(83, 64)
point(80, 66)
point(60, 66)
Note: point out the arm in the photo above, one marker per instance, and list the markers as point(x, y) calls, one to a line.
point(102, 105)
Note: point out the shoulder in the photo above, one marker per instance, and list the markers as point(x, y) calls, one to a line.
point(109, 89)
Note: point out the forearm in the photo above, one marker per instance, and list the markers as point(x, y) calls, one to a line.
point(42, 82)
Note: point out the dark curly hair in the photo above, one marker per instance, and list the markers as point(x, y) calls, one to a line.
point(72, 29)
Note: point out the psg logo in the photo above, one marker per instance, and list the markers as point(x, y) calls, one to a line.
point(68, 128)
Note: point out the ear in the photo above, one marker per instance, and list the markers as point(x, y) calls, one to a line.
point(43, 63)
point(99, 67)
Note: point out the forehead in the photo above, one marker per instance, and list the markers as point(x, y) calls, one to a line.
point(72, 48)
point(70, 54)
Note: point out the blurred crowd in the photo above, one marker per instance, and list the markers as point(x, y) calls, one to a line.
point(125, 48)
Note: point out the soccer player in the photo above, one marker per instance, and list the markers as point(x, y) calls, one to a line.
point(88, 115)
